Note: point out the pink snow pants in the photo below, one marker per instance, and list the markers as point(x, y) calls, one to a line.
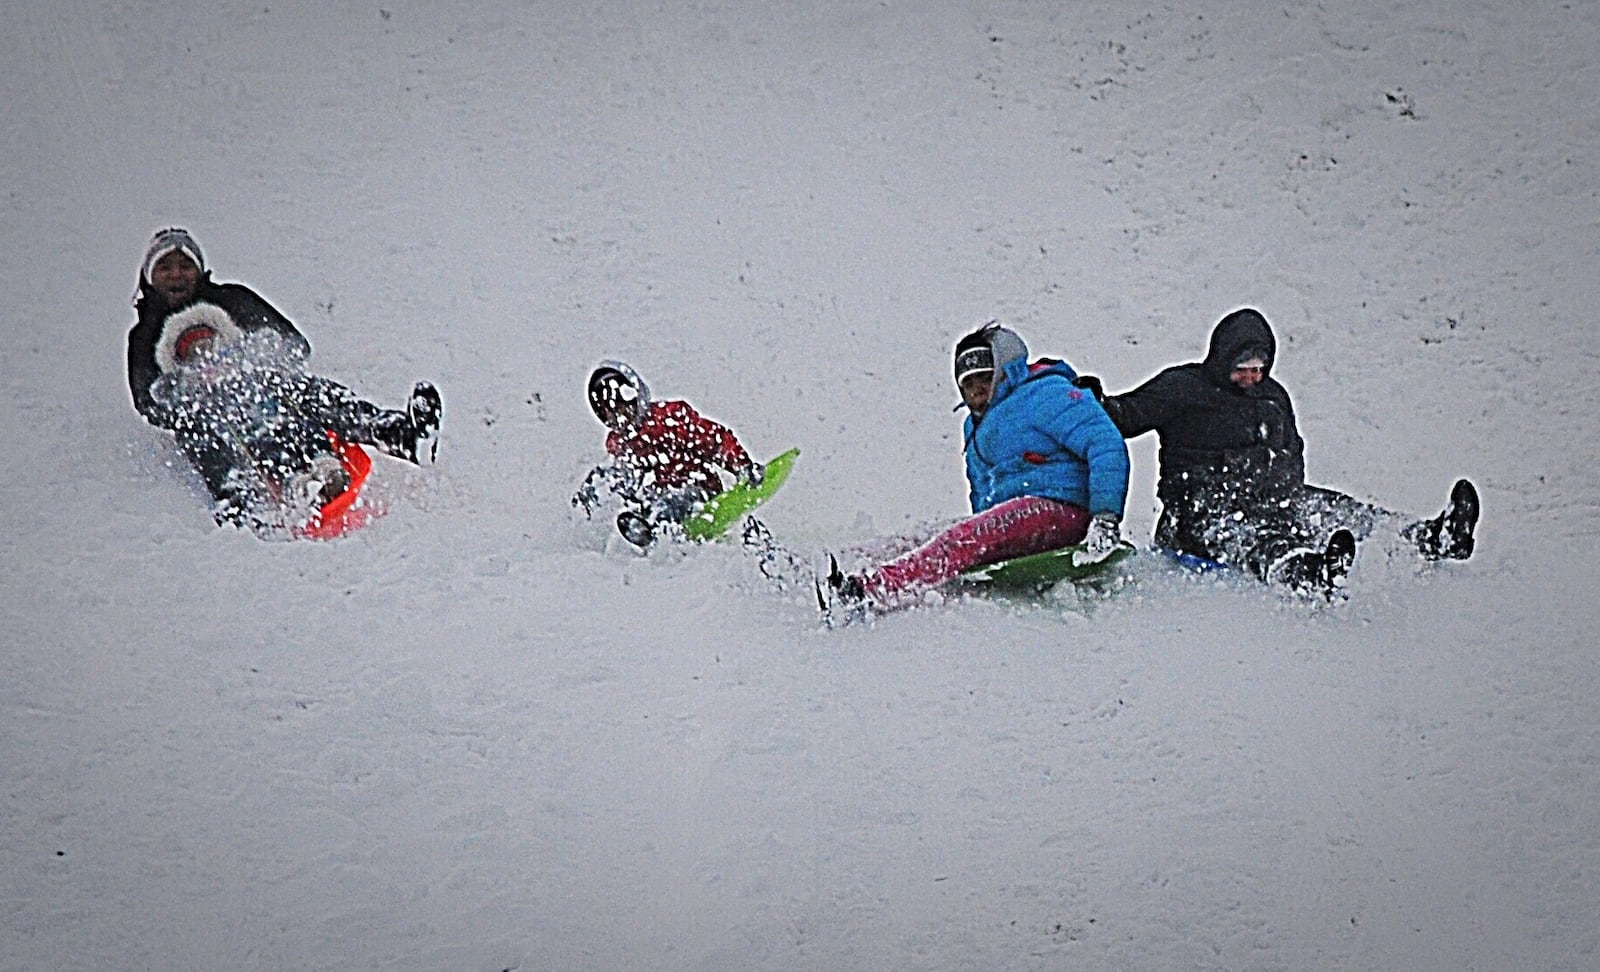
point(1015, 528)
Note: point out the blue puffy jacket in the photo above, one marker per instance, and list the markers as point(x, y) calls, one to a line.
point(1041, 435)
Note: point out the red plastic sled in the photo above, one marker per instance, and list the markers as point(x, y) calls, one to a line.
point(346, 511)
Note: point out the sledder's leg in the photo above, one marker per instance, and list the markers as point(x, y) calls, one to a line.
point(235, 489)
point(647, 519)
point(1015, 528)
point(412, 435)
point(1320, 508)
point(660, 515)
point(214, 463)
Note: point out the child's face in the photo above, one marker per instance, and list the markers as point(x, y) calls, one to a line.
point(611, 414)
point(977, 389)
point(614, 405)
point(201, 348)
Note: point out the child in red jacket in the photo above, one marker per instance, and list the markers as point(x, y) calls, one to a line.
point(667, 458)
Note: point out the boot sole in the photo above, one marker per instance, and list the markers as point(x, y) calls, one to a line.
point(1337, 560)
point(1460, 520)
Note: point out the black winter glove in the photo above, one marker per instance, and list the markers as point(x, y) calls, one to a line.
point(752, 475)
point(1091, 384)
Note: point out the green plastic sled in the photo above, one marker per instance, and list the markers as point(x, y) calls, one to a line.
point(725, 509)
point(1042, 570)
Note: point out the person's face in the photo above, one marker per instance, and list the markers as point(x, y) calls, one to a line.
point(200, 348)
point(1248, 374)
point(977, 389)
point(610, 414)
point(175, 277)
point(614, 407)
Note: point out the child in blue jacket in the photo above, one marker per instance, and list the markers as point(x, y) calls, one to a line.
point(1046, 469)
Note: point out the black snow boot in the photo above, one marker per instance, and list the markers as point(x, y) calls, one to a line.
point(636, 528)
point(424, 411)
point(1337, 560)
point(1448, 536)
point(412, 435)
point(1318, 573)
point(841, 597)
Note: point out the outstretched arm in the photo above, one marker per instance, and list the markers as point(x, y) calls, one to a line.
point(616, 479)
point(974, 465)
point(1149, 406)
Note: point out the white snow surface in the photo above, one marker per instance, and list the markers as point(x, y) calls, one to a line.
point(476, 735)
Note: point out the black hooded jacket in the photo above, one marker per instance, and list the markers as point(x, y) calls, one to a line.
point(1214, 434)
point(246, 307)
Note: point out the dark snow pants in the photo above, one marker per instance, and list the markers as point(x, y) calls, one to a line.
point(1220, 525)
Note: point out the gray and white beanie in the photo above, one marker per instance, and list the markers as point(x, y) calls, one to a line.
point(166, 241)
point(1007, 345)
point(988, 348)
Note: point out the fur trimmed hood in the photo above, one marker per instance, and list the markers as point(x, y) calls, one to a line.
point(202, 315)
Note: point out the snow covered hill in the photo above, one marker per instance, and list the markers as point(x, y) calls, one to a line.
point(478, 736)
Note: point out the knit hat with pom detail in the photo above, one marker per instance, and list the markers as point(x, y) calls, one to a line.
point(172, 239)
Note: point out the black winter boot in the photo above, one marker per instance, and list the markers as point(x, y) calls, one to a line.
point(1448, 536)
point(424, 411)
point(1318, 573)
point(1337, 560)
point(412, 435)
point(841, 597)
point(635, 527)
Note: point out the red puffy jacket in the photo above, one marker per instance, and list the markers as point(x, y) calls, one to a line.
point(675, 446)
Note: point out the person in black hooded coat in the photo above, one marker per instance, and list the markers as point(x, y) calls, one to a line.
point(176, 301)
point(1232, 469)
point(172, 279)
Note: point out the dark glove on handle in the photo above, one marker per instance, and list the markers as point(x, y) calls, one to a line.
point(1092, 385)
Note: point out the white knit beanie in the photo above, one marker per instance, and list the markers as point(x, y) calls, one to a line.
point(170, 239)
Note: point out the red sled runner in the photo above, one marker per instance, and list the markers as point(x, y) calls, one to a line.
point(348, 510)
